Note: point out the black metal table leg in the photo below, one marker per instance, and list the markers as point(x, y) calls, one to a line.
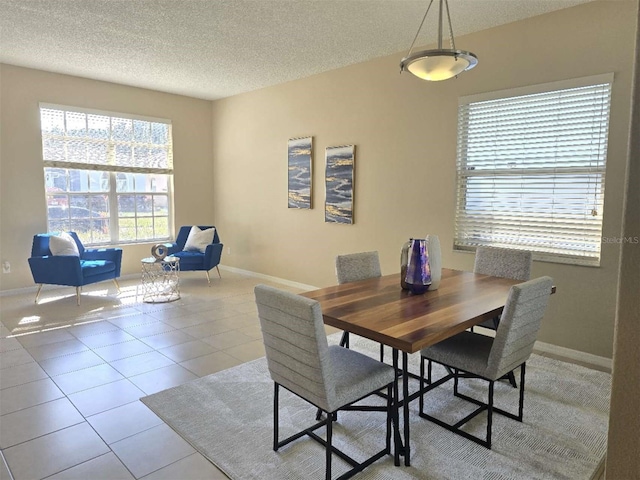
point(396, 417)
point(405, 405)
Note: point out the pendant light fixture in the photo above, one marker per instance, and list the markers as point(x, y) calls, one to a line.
point(441, 63)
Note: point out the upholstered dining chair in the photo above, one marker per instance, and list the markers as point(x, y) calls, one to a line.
point(505, 263)
point(353, 267)
point(480, 356)
point(331, 378)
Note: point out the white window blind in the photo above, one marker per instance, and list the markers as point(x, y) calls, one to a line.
point(531, 168)
point(77, 138)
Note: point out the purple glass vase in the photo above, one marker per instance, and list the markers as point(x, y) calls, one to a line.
point(418, 277)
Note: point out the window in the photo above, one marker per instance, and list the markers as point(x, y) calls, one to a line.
point(531, 167)
point(108, 177)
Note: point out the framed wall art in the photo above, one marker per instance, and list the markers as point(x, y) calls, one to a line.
point(339, 178)
point(300, 172)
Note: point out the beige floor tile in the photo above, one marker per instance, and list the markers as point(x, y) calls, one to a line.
point(187, 351)
point(162, 378)
point(253, 331)
point(33, 422)
point(52, 350)
point(143, 363)
point(193, 467)
point(70, 363)
point(14, 358)
point(42, 338)
point(118, 351)
point(185, 321)
point(124, 421)
point(167, 339)
point(151, 450)
point(27, 395)
point(7, 344)
point(105, 397)
point(91, 328)
point(244, 320)
point(227, 339)
point(212, 363)
point(4, 471)
point(54, 452)
point(247, 351)
point(132, 320)
point(216, 312)
point(104, 467)
point(165, 314)
point(86, 378)
point(21, 374)
point(248, 307)
point(106, 338)
point(149, 329)
point(211, 328)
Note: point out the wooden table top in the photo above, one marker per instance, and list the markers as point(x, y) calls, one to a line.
point(380, 310)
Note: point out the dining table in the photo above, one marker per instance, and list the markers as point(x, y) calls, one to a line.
point(380, 310)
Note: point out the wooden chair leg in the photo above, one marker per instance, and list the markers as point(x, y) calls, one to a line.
point(219, 276)
point(78, 295)
point(208, 279)
point(117, 286)
point(38, 292)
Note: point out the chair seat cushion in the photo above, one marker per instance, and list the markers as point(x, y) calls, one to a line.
point(466, 351)
point(357, 375)
point(96, 267)
point(189, 259)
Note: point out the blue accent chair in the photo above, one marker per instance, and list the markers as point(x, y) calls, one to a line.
point(93, 265)
point(192, 261)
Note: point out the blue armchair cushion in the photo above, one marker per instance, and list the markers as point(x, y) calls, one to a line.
point(93, 265)
point(96, 267)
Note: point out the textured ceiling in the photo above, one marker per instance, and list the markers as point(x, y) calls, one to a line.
point(217, 48)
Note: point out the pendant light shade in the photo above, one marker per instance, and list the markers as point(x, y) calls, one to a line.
point(441, 63)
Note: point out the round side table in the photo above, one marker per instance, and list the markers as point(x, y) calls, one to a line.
point(160, 279)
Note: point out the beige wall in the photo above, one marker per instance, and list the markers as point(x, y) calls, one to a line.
point(404, 130)
point(22, 202)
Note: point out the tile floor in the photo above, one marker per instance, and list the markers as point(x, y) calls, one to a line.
point(71, 377)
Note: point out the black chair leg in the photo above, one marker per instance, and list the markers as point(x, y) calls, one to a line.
point(512, 379)
point(489, 415)
point(275, 416)
point(344, 341)
point(328, 452)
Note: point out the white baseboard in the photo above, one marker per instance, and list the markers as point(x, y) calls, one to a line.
point(568, 353)
point(282, 281)
point(575, 355)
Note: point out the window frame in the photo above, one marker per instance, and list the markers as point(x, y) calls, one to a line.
point(562, 172)
point(112, 167)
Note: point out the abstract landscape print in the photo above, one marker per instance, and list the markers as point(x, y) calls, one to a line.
point(339, 175)
point(300, 154)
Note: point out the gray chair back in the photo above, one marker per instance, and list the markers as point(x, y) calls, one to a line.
point(357, 266)
point(519, 326)
point(296, 344)
point(503, 262)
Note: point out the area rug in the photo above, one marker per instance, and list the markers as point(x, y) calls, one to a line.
point(228, 418)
